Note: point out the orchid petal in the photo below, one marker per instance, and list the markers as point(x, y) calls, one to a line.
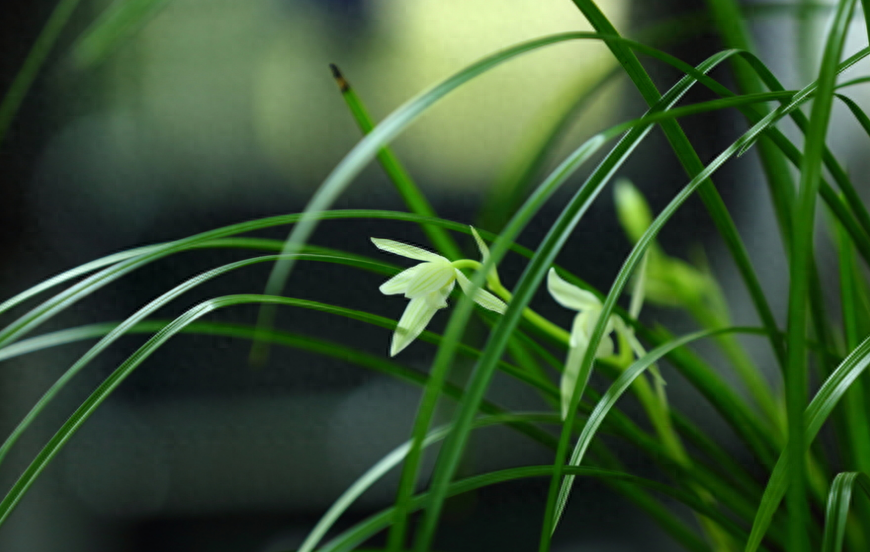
point(579, 331)
point(569, 295)
point(605, 347)
point(430, 277)
point(592, 319)
point(399, 282)
point(438, 298)
point(570, 374)
point(405, 250)
point(482, 297)
point(417, 315)
point(484, 250)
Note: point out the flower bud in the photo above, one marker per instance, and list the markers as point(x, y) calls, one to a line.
point(632, 209)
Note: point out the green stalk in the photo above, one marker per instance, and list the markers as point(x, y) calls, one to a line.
point(715, 317)
point(837, 513)
point(531, 316)
point(799, 277)
point(403, 182)
point(547, 251)
point(731, 25)
point(515, 183)
point(727, 16)
point(855, 402)
point(418, 204)
point(865, 7)
point(693, 166)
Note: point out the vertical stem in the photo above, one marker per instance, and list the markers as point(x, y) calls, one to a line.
point(414, 199)
point(799, 273)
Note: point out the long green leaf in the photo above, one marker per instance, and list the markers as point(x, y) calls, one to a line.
point(366, 360)
point(799, 268)
point(443, 359)
point(407, 188)
point(640, 249)
point(452, 449)
point(837, 513)
point(50, 450)
point(122, 328)
point(390, 461)
point(816, 414)
point(372, 525)
point(616, 390)
point(120, 264)
point(855, 434)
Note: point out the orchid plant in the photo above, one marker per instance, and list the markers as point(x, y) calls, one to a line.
point(818, 359)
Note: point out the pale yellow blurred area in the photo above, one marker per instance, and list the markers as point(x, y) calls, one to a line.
point(248, 81)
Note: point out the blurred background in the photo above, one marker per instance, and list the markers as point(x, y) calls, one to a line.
point(207, 113)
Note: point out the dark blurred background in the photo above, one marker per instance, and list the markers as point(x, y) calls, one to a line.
point(223, 111)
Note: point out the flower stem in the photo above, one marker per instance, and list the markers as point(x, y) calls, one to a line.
point(493, 283)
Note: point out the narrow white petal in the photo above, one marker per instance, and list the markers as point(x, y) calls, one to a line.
point(438, 298)
point(417, 315)
point(484, 250)
point(579, 333)
point(482, 297)
point(605, 347)
point(620, 326)
point(589, 321)
point(406, 250)
point(570, 375)
point(431, 277)
point(569, 295)
point(592, 320)
point(399, 282)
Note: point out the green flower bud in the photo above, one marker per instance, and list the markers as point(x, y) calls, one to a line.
point(632, 209)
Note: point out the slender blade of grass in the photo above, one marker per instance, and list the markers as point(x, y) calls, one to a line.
point(857, 434)
point(730, 23)
point(113, 336)
point(452, 449)
point(342, 175)
point(82, 413)
point(616, 390)
point(369, 527)
point(407, 188)
point(837, 512)
point(818, 411)
point(642, 244)
point(390, 461)
point(799, 268)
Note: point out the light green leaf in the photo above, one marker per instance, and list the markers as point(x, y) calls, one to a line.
point(837, 512)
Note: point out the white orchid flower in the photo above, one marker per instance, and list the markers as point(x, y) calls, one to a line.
point(427, 285)
point(589, 311)
point(588, 308)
